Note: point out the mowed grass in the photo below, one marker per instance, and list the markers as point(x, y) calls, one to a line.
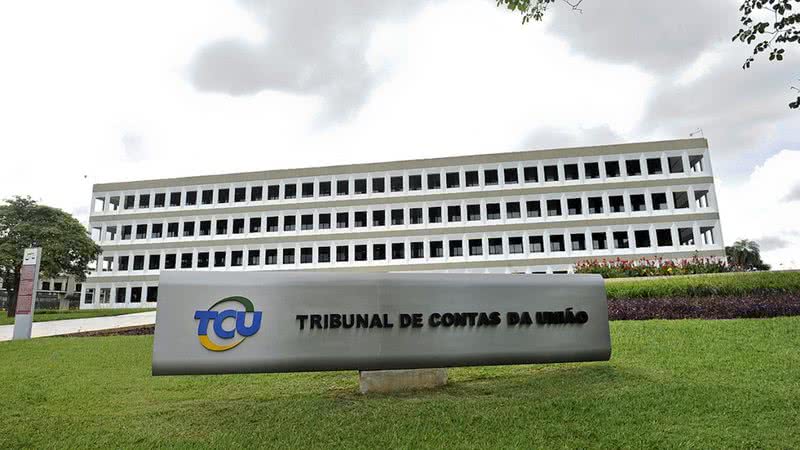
point(689, 383)
point(46, 316)
point(722, 284)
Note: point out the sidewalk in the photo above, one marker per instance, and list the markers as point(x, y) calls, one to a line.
point(69, 326)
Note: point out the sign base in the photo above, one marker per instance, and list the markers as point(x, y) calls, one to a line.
point(388, 381)
point(22, 326)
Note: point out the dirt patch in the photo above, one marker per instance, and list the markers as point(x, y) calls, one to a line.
point(127, 331)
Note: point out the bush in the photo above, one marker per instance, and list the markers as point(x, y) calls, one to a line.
point(649, 267)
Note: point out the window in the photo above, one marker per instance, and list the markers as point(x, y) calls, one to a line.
point(456, 248)
point(156, 229)
point(378, 218)
point(531, 174)
point(664, 237)
point(414, 182)
point(324, 221)
point(681, 199)
point(342, 220)
point(307, 222)
point(170, 260)
point(396, 184)
point(141, 231)
point(271, 256)
point(273, 192)
point(495, 246)
point(136, 294)
point(620, 239)
point(686, 236)
point(637, 202)
point(642, 238)
point(154, 263)
point(222, 196)
point(591, 170)
point(288, 256)
point(533, 208)
point(239, 194)
point(191, 198)
point(397, 217)
point(398, 250)
point(578, 241)
point(612, 169)
point(207, 197)
point(475, 247)
point(89, 297)
point(126, 232)
point(633, 167)
point(152, 294)
point(360, 186)
point(510, 176)
point(323, 254)
point(205, 228)
point(238, 226)
point(453, 180)
point(202, 259)
point(138, 262)
point(659, 201)
point(571, 172)
point(434, 181)
point(378, 252)
point(707, 234)
point(550, 173)
point(186, 260)
point(360, 219)
point(324, 188)
point(574, 207)
point(473, 212)
point(536, 244)
point(490, 177)
point(306, 255)
point(255, 224)
point(222, 226)
point(188, 229)
point(696, 163)
point(654, 166)
point(616, 203)
point(437, 249)
point(289, 223)
point(701, 198)
point(595, 205)
point(513, 210)
point(434, 214)
point(414, 214)
point(253, 257)
point(289, 191)
point(599, 241)
point(144, 201)
point(108, 264)
point(360, 252)
point(342, 187)
point(160, 198)
point(130, 202)
point(307, 190)
point(553, 207)
point(515, 245)
point(417, 250)
point(471, 178)
point(172, 229)
point(256, 193)
point(556, 243)
point(493, 211)
point(378, 185)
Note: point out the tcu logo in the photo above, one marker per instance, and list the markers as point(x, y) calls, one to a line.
point(216, 320)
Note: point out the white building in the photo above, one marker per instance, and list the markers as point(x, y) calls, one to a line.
point(532, 212)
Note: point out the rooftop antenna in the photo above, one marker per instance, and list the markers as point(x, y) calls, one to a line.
point(696, 132)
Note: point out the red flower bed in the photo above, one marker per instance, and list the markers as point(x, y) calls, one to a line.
point(649, 267)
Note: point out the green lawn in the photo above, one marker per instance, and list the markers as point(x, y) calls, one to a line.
point(689, 383)
point(46, 316)
point(723, 284)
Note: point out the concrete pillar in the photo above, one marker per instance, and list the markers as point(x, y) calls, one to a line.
point(388, 381)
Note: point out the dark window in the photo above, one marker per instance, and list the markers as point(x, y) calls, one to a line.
point(490, 177)
point(191, 198)
point(273, 192)
point(513, 210)
point(186, 260)
point(360, 219)
point(456, 248)
point(306, 255)
point(578, 241)
point(126, 232)
point(202, 259)
point(208, 197)
point(574, 207)
point(307, 190)
point(378, 185)
point(272, 224)
point(256, 193)
point(696, 163)
point(591, 170)
point(599, 241)
point(360, 252)
point(288, 256)
point(417, 250)
point(130, 202)
point(633, 167)
point(289, 190)
point(188, 229)
point(453, 180)
point(475, 247)
point(510, 176)
point(205, 227)
point(170, 260)
point(152, 294)
point(238, 226)
point(342, 253)
point(136, 294)
point(495, 246)
point(138, 262)
point(159, 200)
point(396, 184)
point(681, 199)
point(531, 174)
point(534, 208)
point(154, 263)
point(414, 216)
point(271, 256)
point(637, 202)
point(378, 252)
point(556, 243)
point(436, 249)
point(642, 238)
point(172, 229)
point(471, 178)
point(434, 214)
point(253, 257)
point(414, 182)
point(616, 203)
point(536, 244)
point(515, 245)
point(612, 169)
point(175, 199)
point(324, 188)
point(323, 254)
point(553, 207)
point(360, 186)
point(307, 222)
point(620, 239)
point(398, 250)
point(141, 231)
point(595, 205)
point(239, 194)
point(222, 226)
point(289, 223)
point(434, 181)
point(473, 212)
point(454, 213)
point(144, 201)
point(255, 224)
point(686, 236)
point(550, 173)
point(654, 166)
point(223, 196)
point(122, 264)
point(324, 221)
point(397, 217)
point(664, 237)
point(342, 220)
point(675, 164)
point(493, 211)
point(571, 172)
point(378, 218)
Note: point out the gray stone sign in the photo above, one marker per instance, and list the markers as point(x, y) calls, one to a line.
point(223, 322)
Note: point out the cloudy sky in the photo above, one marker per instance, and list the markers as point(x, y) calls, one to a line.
point(98, 91)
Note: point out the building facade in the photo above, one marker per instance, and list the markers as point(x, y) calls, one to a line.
point(521, 212)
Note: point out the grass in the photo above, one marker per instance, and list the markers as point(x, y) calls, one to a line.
point(723, 284)
point(46, 316)
point(689, 383)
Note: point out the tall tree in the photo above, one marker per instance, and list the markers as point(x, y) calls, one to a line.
point(67, 248)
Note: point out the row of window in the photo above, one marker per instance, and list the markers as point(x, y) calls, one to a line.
point(455, 213)
point(151, 295)
point(399, 250)
point(433, 181)
point(57, 286)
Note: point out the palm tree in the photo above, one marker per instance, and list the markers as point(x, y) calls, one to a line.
point(744, 253)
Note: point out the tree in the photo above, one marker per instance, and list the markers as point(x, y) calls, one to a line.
point(782, 28)
point(746, 254)
point(66, 246)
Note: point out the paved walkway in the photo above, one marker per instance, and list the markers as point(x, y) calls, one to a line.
point(69, 326)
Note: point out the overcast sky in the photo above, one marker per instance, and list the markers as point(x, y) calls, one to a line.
point(98, 91)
